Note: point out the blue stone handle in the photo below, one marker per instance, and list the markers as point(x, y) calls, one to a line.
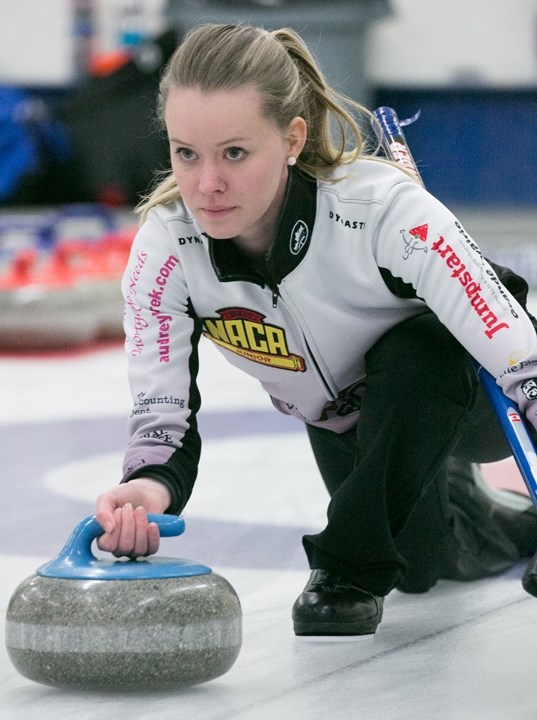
point(76, 559)
point(89, 529)
point(77, 550)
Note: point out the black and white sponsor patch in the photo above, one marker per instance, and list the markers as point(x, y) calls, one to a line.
point(299, 236)
point(529, 388)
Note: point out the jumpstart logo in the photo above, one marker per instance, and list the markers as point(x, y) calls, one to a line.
point(420, 232)
point(416, 242)
point(245, 333)
point(471, 287)
point(460, 273)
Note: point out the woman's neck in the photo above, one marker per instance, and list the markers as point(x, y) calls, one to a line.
point(254, 249)
point(257, 241)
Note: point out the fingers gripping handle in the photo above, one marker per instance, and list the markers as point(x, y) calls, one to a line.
point(76, 560)
point(77, 550)
point(78, 546)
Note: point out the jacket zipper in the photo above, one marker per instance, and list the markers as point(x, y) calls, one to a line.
point(329, 392)
point(311, 355)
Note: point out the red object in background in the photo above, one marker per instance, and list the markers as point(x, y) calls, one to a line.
point(69, 262)
point(108, 63)
point(65, 295)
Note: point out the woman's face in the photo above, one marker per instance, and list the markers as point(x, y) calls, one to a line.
point(229, 160)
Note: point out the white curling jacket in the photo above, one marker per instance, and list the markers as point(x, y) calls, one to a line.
point(350, 259)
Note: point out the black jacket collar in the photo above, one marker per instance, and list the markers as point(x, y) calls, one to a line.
point(291, 238)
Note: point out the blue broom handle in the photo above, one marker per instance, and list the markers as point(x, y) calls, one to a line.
point(389, 131)
point(515, 428)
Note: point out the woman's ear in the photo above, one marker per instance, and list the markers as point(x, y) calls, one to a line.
point(297, 133)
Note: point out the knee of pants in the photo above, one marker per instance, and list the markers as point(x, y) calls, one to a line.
point(421, 356)
point(482, 439)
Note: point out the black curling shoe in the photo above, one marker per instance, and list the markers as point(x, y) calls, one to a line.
point(333, 605)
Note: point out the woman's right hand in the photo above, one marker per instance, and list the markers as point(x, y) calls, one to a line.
point(122, 513)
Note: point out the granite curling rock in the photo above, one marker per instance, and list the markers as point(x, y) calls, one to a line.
point(147, 624)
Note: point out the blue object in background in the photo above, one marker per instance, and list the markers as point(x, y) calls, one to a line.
point(474, 147)
point(30, 137)
point(16, 148)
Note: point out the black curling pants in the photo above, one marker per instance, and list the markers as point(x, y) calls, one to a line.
point(423, 407)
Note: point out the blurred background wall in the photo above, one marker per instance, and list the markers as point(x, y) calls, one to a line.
point(469, 67)
point(420, 43)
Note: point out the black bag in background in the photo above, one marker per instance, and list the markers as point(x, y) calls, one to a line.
point(116, 143)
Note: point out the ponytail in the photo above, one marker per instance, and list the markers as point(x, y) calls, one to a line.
point(334, 136)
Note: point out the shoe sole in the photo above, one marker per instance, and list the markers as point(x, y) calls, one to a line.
point(319, 629)
point(334, 638)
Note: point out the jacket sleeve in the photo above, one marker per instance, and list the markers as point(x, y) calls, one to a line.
point(423, 251)
point(162, 334)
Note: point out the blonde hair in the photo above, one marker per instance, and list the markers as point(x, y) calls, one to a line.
point(279, 63)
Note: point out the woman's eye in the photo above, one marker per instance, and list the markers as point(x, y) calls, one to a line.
point(235, 153)
point(185, 153)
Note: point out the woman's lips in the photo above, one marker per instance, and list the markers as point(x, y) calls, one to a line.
point(217, 212)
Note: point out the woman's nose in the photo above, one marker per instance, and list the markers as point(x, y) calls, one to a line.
point(210, 179)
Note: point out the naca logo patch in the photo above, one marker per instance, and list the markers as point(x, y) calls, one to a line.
point(245, 333)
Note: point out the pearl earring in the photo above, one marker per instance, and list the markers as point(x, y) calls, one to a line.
point(291, 160)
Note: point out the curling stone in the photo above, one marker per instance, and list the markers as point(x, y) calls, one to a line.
point(100, 623)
